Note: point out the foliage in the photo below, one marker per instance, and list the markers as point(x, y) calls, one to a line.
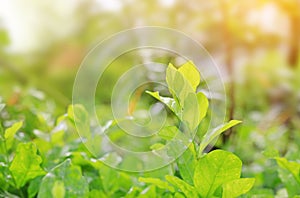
point(42, 156)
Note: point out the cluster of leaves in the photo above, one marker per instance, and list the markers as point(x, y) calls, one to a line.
point(216, 174)
point(54, 164)
point(44, 157)
point(271, 121)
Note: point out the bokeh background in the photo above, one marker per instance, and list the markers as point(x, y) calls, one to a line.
point(254, 42)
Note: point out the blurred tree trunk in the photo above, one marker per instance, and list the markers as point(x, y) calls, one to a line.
point(229, 57)
point(293, 55)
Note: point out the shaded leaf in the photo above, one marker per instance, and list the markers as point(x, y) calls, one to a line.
point(292, 167)
point(185, 188)
point(289, 175)
point(34, 186)
point(157, 182)
point(168, 132)
point(148, 192)
point(190, 113)
point(170, 102)
point(65, 179)
point(133, 192)
point(186, 164)
point(210, 136)
point(79, 116)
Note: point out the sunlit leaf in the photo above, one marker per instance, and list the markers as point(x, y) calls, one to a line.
point(203, 105)
point(215, 169)
point(10, 133)
point(157, 146)
point(58, 189)
point(26, 164)
point(191, 73)
point(178, 86)
point(237, 187)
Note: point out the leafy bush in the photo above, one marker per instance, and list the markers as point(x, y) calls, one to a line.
point(43, 156)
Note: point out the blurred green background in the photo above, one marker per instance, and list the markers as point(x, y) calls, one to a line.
point(255, 43)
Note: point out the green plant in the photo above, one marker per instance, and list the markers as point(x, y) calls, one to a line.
point(216, 174)
point(46, 158)
point(289, 173)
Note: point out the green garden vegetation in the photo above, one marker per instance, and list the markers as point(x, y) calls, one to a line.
point(42, 156)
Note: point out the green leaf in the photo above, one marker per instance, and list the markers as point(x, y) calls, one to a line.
point(186, 105)
point(185, 188)
point(194, 109)
point(26, 164)
point(157, 182)
point(79, 116)
point(65, 179)
point(191, 73)
point(210, 136)
point(186, 164)
point(157, 146)
point(133, 192)
point(178, 195)
point(168, 132)
point(10, 133)
point(169, 102)
point(290, 183)
point(190, 113)
point(237, 187)
point(178, 86)
point(289, 175)
point(292, 167)
point(97, 193)
point(34, 186)
point(203, 105)
point(106, 173)
point(57, 137)
point(148, 192)
point(58, 189)
point(215, 169)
